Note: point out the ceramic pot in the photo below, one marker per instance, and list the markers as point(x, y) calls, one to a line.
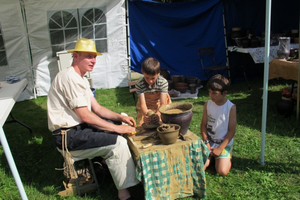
point(294, 52)
point(285, 106)
point(245, 43)
point(177, 113)
point(193, 88)
point(177, 79)
point(181, 87)
point(235, 34)
point(168, 133)
point(283, 47)
point(191, 80)
point(165, 73)
point(170, 85)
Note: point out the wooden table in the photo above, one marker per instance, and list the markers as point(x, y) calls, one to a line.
point(281, 68)
point(9, 93)
point(257, 54)
point(170, 171)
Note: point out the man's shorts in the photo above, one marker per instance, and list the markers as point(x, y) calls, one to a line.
point(226, 153)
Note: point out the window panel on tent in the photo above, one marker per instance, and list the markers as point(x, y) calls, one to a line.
point(64, 28)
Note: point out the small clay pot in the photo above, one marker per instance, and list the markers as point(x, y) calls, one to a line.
point(285, 106)
point(193, 88)
point(191, 80)
point(181, 87)
point(176, 79)
point(168, 133)
point(170, 83)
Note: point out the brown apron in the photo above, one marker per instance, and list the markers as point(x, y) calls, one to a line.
point(153, 103)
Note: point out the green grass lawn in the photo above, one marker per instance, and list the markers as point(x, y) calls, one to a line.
point(36, 157)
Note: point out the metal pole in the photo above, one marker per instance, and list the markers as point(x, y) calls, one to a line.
point(12, 164)
point(128, 40)
point(266, 78)
point(226, 46)
point(28, 45)
point(298, 89)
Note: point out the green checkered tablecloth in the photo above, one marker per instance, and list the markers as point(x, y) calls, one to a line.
point(174, 171)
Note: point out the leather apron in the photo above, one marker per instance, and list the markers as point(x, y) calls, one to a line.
point(153, 103)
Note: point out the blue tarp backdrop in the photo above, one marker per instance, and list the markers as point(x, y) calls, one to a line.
point(172, 32)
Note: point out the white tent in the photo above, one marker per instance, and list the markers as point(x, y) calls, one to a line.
point(32, 31)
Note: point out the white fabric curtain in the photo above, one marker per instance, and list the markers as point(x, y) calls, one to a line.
point(15, 50)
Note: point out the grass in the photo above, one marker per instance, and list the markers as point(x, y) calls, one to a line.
point(36, 157)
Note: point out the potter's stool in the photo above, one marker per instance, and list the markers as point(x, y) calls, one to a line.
point(85, 186)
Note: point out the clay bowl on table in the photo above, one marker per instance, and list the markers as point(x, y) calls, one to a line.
point(168, 133)
point(181, 87)
point(177, 113)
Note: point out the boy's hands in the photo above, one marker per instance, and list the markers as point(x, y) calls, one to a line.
point(151, 118)
point(215, 152)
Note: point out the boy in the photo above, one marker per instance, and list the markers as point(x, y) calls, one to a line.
point(152, 90)
point(218, 124)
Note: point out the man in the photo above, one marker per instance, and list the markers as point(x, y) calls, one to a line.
point(91, 129)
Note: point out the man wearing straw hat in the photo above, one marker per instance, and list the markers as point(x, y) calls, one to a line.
point(82, 127)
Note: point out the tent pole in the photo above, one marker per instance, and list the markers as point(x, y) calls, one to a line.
point(28, 47)
point(266, 78)
point(226, 46)
point(128, 40)
point(298, 89)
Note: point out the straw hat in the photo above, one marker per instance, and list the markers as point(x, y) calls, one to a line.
point(85, 45)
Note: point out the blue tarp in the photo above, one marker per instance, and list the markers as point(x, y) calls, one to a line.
point(172, 32)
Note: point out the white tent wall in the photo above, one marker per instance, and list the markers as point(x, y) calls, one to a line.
point(15, 45)
point(111, 69)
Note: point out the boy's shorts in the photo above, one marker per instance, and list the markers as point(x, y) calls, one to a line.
point(226, 153)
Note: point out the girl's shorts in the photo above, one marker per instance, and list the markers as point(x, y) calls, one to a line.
point(226, 153)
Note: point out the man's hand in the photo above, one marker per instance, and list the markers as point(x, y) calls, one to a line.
point(128, 120)
point(123, 129)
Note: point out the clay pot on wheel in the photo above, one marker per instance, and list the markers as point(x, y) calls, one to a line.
point(177, 113)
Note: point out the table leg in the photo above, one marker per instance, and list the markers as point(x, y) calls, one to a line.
point(15, 120)
point(12, 164)
point(241, 65)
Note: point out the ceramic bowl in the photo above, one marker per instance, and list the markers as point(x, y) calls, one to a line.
point(168, 133)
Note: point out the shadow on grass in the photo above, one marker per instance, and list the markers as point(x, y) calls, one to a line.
point(34, 153)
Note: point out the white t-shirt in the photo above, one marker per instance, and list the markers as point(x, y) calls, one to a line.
point(68, 91)
point(218, 121)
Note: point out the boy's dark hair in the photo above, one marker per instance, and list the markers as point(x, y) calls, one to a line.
point(218, 83)
point(151, 66)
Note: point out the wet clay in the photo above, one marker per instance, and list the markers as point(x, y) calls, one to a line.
point(174, 111)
